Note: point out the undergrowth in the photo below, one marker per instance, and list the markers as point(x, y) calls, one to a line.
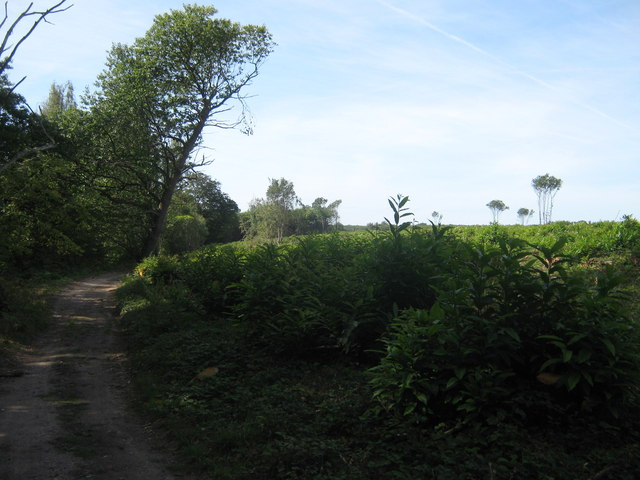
point(403, 354)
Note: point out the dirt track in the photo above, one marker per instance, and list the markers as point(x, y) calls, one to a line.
point(67, 415)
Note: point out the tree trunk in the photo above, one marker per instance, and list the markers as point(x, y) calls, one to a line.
point(152, 245)
point(159, 220)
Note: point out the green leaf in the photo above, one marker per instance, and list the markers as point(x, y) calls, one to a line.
point(512, 333)
point(566, 355)
point(550, 337)
point(407, 380)
point(422, 397)
point(378, 392)
point(559, 244)
point(460, 372)
point(577, 338)
point(467, 407)
point(452, 381)
point(410, 408)
point(609, 346)
point(572, 381)
point(583, 355)
point(551, 361)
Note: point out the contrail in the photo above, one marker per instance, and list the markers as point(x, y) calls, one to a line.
point(496, 59)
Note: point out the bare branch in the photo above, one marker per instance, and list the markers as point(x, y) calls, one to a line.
point(17, 84)
point(27, 152)
point(6, 14)
point(41, 16)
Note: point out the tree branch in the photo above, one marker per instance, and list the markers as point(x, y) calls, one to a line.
point(27, 152)
point(42, 16)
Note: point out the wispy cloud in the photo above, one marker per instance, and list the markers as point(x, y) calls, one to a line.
point(507, 65)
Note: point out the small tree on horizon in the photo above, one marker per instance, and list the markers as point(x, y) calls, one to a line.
point(524, 214)
point(496, 207)
point(281, 199)
point(546, 187)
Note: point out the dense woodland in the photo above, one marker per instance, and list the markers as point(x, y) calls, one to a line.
point(269, 344)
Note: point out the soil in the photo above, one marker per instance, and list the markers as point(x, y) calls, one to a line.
point(65, 409)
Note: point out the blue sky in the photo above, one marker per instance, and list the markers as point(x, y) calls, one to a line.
point(452, 102)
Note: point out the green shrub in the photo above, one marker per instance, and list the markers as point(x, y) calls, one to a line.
point(518, 324)
point(626, 234)
point(158, 269)
point(210, 272)
point(149, 310)
point(302, 296)
point(261, 288)
point(501, 359)
point(184, 233)
point(583, 239)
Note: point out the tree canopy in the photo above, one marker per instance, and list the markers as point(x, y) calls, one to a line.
point(157, 96)
point(496, 207)
point(94, 180)
point(276, 216)
point(524, 214)
point(546, 187)
point(203, 195)
point(61, 98)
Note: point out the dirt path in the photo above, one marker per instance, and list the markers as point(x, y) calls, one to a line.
point(67, 417)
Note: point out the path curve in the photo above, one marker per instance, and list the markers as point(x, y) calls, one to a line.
point(67, 416)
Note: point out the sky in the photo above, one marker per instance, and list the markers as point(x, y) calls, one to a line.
point(452, 102)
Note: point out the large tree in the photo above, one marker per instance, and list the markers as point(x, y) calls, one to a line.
point(157, 96)
point(49, 211)
point(546, 187)
point(16, 126)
